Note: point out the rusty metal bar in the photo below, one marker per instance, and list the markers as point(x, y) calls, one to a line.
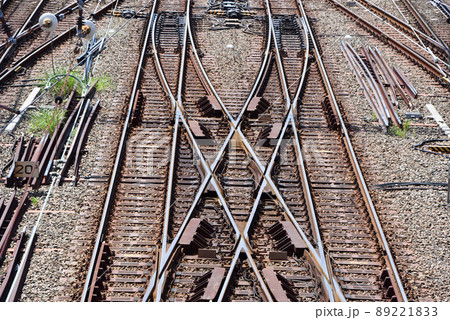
point(84, 104)
point(6, 237)
point(384, 68)
point(166, 259)
point(5, 215)
point(393, 97)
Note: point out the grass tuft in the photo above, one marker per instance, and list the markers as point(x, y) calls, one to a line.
point(42, 118)
point(403, 131)
point(59, 86)
point(34, 202)
point(104, 82)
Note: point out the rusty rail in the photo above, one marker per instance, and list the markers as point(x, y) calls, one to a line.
point(117, 164)
point(12, 267)
point(424, 62)
point(419, 19)
point(32, 56)
point(32, 17)
point(396, 280)
point(426, 37)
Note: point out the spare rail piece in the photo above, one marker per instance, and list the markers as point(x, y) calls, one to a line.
point(287, 238)
point(82, 141)
point(209, 106)
point(19, 278)
point(46, 159)
point(368, 92)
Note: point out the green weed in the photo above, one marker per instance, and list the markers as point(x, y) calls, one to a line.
point(62, 87)
point(403, 131)
point(42, 118)
point(34, 202)
point(104, 82)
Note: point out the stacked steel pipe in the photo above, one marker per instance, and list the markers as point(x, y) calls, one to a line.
point(380, 83)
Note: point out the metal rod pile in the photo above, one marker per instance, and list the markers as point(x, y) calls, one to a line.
point(380, 83)
point(42, 152)
point(72, 155)
point(11, 212)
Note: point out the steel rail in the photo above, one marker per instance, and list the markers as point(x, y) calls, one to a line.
point(167, 258)
point(326, 279)
point(316, 259)
point(424, 62)
point(12, 266)
point(396, 281)
point(381, 12)
point(117, 163)
point(420, 20)
point(362, 68)
point(30, 18)
point(337, 293)
point(366, 91)
point(261, 168)
point(69, 8)
point(179, 115)
point(33, 55)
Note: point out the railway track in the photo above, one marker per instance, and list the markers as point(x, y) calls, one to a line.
point(410, 27)
point(426, 62)
point(233, 212)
